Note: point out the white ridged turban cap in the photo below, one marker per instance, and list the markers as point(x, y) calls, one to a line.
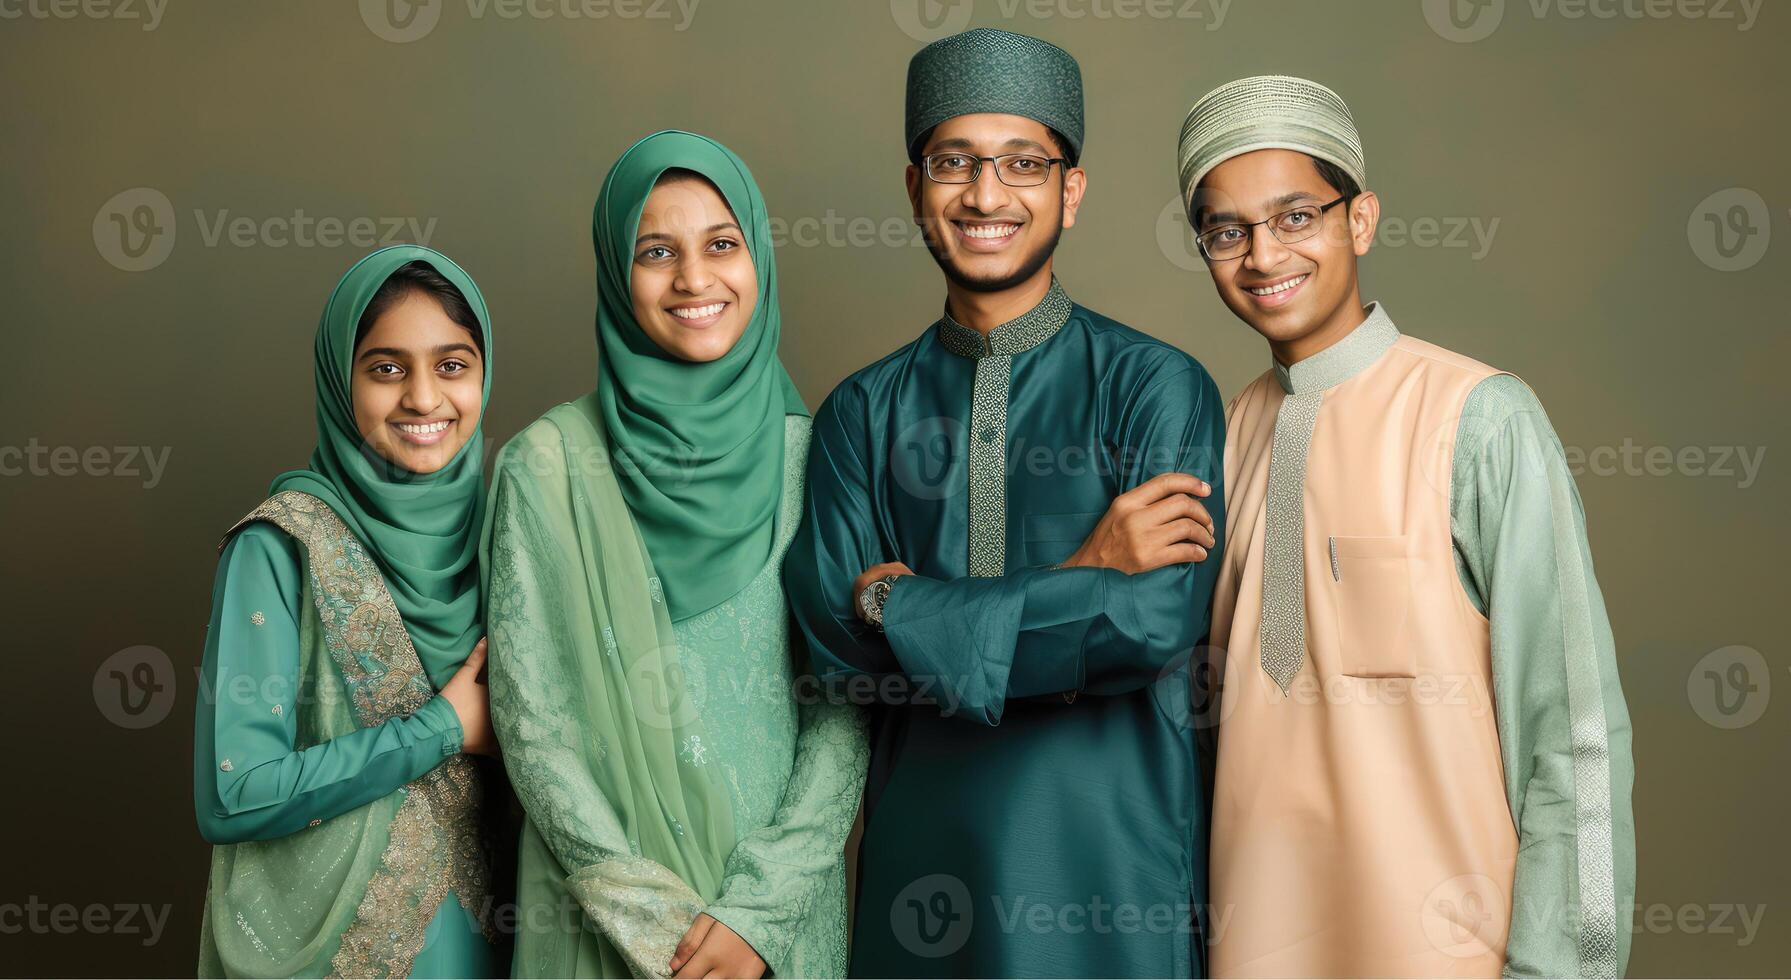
point(1267, 112)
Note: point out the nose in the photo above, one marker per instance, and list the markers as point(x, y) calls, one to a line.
point(694, 274)
point(422, 394)
point(986, 193)
point(1266, 251)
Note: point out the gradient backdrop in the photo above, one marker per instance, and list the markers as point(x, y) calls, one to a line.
point(1584, 192)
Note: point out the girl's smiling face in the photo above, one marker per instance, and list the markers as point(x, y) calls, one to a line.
point(692, 283)
point(418, 384)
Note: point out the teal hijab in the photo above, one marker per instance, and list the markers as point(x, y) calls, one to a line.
point(700, 447)
point(422, 528)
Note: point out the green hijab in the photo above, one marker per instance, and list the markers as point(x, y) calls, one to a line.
point(423, 529)
point(700, 446)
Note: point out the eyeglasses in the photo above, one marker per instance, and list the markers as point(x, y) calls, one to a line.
point(1013, 169)
point(1289, 227)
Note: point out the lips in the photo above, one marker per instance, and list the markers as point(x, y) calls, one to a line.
point(699, 315)
point(986, 236)
point(426, 433)
point(1279, 292)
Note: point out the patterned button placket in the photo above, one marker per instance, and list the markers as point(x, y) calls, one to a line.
point(994, 356)
point(1281, 632)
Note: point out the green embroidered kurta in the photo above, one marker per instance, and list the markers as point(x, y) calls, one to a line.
point(252, 779)
point(794, 772)
point(1035, 804)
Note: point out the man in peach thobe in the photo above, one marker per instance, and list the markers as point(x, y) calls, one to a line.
point(1423, 762)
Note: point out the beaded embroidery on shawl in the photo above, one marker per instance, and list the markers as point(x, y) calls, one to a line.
point(436, 845)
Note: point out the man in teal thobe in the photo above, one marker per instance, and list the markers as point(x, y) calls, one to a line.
point(978, 499)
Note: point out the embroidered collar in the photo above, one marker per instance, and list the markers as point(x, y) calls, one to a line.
point(1343, 360)
point(1022, 333)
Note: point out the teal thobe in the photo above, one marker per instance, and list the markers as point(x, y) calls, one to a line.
point(1034, 804)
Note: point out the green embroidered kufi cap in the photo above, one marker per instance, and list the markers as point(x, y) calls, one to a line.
point(986, 70)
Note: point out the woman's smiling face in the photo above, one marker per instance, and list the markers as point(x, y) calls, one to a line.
point(418, 384)
point(692, 281)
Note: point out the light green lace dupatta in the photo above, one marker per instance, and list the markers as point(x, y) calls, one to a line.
point(600, 735)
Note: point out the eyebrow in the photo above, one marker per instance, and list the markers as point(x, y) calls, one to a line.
point(960, 143)
point(438, 351)
point(655, 236)
point(1273, 207)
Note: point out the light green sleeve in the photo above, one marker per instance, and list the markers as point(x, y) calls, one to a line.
point(775, 873)
point(1564, 734)
point(252, 779)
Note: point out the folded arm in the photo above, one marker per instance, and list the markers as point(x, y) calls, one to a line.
point(973, 643)
point(251, 781)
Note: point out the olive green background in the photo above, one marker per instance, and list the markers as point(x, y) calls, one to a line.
point(1592, 141)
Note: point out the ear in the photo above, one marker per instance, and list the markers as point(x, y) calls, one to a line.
point(1075, 184)
point(1364, 217)
point(913, 178)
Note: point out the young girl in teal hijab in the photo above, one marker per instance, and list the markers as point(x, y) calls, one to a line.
point(341, 693)
point(682, 806)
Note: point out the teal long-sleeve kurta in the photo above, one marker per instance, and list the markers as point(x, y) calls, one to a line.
point(1522, 555)
point(251, 782)
point(1034, 804)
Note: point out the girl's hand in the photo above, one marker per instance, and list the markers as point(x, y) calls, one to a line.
point(471, 699)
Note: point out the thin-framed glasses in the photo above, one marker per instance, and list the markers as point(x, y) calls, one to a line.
point(1229, 241)
point(1013, 169)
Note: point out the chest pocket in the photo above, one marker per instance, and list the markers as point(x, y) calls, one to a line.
point(1050, 538)
point(1371, 588)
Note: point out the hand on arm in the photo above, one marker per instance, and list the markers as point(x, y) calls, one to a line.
point(471, 698)
point(1160, 522)
point(252, 782)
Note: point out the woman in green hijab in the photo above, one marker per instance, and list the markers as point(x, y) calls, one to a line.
point(686, 815)
point(341, 679)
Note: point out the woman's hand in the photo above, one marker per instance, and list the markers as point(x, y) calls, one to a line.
point(711, 949)
point(471, 699)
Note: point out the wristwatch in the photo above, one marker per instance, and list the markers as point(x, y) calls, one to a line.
point(871, 599)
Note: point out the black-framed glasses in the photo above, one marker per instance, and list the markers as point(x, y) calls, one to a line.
point(1012, 169)
point(1229, 241)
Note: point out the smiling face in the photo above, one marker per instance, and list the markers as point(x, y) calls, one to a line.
point(418, 384)
point(693, 284)
point(986, 235)
point(1301, 297)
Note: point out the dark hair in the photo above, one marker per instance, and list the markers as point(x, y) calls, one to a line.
point(421, 277)
point(1336, 176)
point(670, 174)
